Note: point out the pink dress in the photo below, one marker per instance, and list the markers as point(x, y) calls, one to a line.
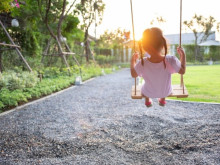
point(157, 78)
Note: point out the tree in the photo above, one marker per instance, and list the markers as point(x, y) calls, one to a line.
point(112, 39)
point(158, 20)
point(201, 26)
point(71, 31)
point(53, 14)
point(29, 33)
point(91, 11)
point(20, 35)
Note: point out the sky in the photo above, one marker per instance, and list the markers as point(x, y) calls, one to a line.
point(118, 14)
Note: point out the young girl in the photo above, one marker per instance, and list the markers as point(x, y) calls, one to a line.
point(156, 68)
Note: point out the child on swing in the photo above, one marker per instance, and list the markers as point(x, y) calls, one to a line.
point(156, 68)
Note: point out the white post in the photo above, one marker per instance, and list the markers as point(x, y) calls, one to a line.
point(124, 54)
point(173, 50)
point(112, 52)
point(129, 53)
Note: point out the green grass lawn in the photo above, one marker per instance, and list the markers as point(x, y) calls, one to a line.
point(202, 83)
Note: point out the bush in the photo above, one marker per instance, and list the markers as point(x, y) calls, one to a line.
point(103, 60)
point(1, 105)
point(214, 53)
point(51, 72)
point(190, 52)
point(11, 98)
point(30, 79)
point(17, 87)
point(106, 52)
point(3, 82)
point(13, 80)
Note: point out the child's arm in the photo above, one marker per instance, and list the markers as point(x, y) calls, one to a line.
point(133, 63)
point(182, 60)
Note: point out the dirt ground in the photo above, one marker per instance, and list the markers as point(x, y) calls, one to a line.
point(99, 124)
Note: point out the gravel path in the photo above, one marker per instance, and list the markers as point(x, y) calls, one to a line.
point(98, 123)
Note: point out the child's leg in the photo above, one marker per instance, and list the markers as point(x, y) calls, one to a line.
point(162, 101)
point(148, 102)
point(147, 99)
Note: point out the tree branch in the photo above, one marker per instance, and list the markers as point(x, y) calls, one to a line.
point(61, 20)
point(40, 11)
point(69, 8)
point(48, 4)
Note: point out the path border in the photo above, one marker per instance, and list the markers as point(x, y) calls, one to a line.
point(193, 102)
point(45, 97)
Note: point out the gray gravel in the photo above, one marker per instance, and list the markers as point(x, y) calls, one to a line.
point(98, 123)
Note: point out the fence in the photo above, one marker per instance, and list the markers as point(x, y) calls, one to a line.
point(121, 55)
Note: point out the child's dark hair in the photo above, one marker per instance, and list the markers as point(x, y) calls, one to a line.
point(153, 40)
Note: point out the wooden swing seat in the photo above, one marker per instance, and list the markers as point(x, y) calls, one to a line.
point(178, 91)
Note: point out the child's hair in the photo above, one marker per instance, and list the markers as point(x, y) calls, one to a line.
point(153, 41)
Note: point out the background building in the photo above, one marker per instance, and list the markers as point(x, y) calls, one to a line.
point(187, 38)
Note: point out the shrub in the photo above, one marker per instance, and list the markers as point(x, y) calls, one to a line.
point(30, 79)
point(214, 53)
point(14, 82)
point(1, 105)
point(51, 72)
point(3, 82)
point(103, 60)
point(17, 87)
point(34, 92)
point(16, 97)
point(7, 98)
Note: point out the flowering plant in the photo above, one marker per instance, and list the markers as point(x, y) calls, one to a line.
point(17, 4)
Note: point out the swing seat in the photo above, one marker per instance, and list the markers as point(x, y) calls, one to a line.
point(178, 91)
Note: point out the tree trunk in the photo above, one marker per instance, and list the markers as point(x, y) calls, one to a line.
point(60, 21)
point(195, 49)
point(86, 43)
point(0, 61)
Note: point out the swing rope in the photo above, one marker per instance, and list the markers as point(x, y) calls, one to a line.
point(180, 39)
point(181, 78)
point(133, 40)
